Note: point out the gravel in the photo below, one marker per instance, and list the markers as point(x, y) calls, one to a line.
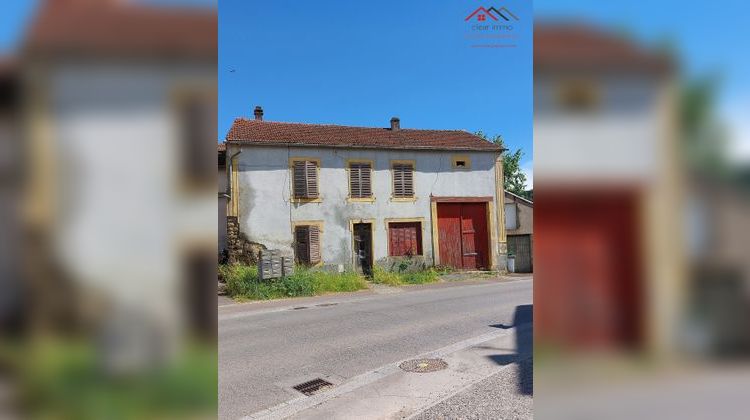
point(505, 395)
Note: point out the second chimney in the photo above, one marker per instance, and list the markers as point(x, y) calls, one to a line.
point(258, 113)
point(395, 123)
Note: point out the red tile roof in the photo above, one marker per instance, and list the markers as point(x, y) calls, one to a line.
point(119, 28)
point(575, 46)
point(256, 132)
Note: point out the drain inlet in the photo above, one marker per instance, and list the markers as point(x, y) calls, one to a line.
point(313, 387)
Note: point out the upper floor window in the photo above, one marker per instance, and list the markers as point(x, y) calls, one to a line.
point(579, 95)
point(461, 162)
point(360, 179)
point(305, 178)
point(403, 179)
point(511, 216)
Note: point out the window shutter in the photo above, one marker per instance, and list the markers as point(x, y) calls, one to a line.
point(314, 245)
point(360, 180)
point(301, 244)
point(305, 180)
point(403, 180)
point(311, 171)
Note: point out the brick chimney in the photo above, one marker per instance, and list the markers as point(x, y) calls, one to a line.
point(258, 113)
point(395, 123)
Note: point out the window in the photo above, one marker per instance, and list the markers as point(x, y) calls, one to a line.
point(360, 180)
point(404, 238)
point(307, 244)
point(511, 216)
point(579, 95)
point(196, 124)
point(403, 179)
point(305, 178)
point(461, 162)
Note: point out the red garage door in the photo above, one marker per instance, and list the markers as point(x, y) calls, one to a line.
point(462, 235)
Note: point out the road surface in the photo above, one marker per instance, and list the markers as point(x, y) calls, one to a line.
point(266, 349)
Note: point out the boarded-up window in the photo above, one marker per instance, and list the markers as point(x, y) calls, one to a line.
point(307, 244)
point(405, 238)
point(305, 182)
point(403, 180)
point(360, 180)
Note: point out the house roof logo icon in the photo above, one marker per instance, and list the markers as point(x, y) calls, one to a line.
point(480, 14)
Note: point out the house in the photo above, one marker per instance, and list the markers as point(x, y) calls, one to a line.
point(519, 227)
point(610, 269)
point(350, 197)
point(223, 197)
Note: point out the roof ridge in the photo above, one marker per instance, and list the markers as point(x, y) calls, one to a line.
point(352, 126)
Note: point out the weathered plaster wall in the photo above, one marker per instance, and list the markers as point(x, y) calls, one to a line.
point(267, 215)
point(525, 214)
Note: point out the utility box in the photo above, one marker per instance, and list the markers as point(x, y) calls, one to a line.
point(273, 265)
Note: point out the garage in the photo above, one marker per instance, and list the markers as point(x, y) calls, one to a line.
point(463, 241)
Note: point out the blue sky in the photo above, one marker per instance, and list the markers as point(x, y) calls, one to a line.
point(360, 63)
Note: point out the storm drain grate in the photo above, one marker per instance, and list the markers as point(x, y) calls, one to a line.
point(423, 365)
point(297, 308)
point(313, 387)
point(326, 304)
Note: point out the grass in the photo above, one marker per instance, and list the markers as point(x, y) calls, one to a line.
point(242, 283)
point(393, 278)
point(63, 379)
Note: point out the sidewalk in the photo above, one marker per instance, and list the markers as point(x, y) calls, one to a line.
point(474, 365)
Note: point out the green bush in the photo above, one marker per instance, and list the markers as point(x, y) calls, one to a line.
point(242, 283)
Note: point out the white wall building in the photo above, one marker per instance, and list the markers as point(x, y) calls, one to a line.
point(375, 194)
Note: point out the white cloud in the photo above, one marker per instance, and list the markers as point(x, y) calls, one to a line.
point(735, 115)
point(528, 169)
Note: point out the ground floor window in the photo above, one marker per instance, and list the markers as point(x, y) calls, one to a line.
point(307, 244)
point(405, 238)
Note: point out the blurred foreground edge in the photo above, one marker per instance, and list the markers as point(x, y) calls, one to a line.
point(641, 282)
point(109, 120)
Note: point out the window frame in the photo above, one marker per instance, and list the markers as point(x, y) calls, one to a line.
point(307, 224)
point(349, 197)
point(413, 164)
point(456, 158)
point(292, 196)
point(422, 225)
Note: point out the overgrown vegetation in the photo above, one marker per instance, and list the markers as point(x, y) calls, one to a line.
point(242, 283)
point(398, 278)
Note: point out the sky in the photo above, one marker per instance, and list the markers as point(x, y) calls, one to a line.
point(352, 63)
point(361, 63)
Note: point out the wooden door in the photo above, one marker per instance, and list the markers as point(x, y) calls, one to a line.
point(520, 247)
point(462, 235)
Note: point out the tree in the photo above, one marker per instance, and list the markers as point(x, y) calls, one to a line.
point(514, 180)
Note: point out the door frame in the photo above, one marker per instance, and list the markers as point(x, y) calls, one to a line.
point(491, 226)
point(371, 222)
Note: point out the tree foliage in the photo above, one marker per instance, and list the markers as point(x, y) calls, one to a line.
point(514, 180)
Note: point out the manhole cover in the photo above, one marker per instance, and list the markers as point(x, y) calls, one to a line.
point(423, 365)
point(313, 387)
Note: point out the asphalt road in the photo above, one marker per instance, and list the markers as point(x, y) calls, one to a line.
point(264, 350)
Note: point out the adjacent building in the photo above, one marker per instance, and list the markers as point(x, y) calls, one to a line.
point(351, 197)
point(519, 227)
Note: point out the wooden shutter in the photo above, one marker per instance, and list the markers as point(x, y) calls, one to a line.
point(405, 238)
point(307, 245)
point(302, 244)
point(314, 245)
point(305, 182)
point(360, 180)
point(403, 180)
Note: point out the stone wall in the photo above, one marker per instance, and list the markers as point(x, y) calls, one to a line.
point(239, 249)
